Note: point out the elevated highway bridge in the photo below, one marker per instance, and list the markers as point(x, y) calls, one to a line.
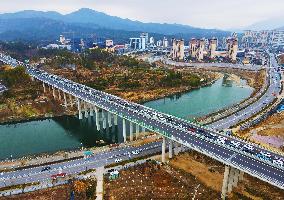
point(239, 156)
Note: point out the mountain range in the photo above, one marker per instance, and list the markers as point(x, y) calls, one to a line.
point(39, 25)
point(269, 24)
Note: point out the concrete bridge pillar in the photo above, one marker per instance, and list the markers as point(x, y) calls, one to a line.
point(124, 130)
point(115, 120)
point(241, 177)
point(53, 92)
point(59, 95)
point(43, 85)
point(143, 130)
point(104, 119)
point(137, 131)
point(91, 110)
point(176, 148)
point(231, 178)
point(131, 131)
point(164, 150)
point(97, 118)
point(65, 99)
point(49, 88)
point(225, 182)
point(109, 119)
point(71, 100)
point(79, 109)
point(170, 149)
point(236, 177)
point(86, 110)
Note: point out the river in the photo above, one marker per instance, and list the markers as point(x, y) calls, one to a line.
point(68, 133)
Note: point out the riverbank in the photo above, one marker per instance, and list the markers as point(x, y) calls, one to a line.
point(23, 103)
point(237, 76)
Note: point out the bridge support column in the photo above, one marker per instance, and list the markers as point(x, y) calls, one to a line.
point(143, 130)
point(176, 148)
point(124, 130)
point(71, 100)
point(97, 118)
point(241, 177)
point(59, 95)
point(79, 109)
point(231, 178)
point(131, 131)
point(86, 110)
point(65, 99)
point(53, 92)
point(164, 150)
point(137, 131)
point(91, 110)
point(236, 177)
point(104, 119)
point(43, 85)
point(170, 149)
point(49, 88)
point(109, 119)
point(115, 120)
point(225, 182)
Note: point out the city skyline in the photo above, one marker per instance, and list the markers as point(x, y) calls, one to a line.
point(242, 13)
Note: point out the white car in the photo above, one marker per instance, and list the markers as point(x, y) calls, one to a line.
point(235, 143)
point(278, 162)
point(135, 152)
point(248, 147)
point(118, 160)
point(221, 140)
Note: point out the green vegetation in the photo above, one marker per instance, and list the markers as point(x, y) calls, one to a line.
point(14, 76)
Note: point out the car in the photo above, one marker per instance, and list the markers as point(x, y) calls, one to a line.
point(118, 160)
point(135, 152)
point(191, 129)
point(221, 140)
point(235, 143)
point(278, 162)
point(59, 175)
point(264, 156)
point(248, 148)
point(46, 169)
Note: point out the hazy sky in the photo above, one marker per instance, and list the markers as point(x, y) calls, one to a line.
point(201, 13)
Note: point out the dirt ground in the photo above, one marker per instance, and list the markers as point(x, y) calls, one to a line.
point(210, 173)
point(152, 181)
point(56, 193)
point(270, 132)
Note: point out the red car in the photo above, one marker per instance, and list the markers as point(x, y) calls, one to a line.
point(192, 130)
point(61, 175)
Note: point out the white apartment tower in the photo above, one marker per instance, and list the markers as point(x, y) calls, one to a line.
point(232, 48)
point(193, 46)
point(152, 40)
point(177, 49)
point(213, 43)
point(201, 49)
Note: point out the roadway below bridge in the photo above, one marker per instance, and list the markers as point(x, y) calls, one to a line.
point(231, 151)
point(267, 98)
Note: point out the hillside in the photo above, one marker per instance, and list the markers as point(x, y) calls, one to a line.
point(46, 25)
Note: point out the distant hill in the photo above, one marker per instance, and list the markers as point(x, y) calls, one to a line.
point(86, 21)
point(269, 24)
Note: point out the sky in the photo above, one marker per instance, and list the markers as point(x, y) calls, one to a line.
point(222, 14)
